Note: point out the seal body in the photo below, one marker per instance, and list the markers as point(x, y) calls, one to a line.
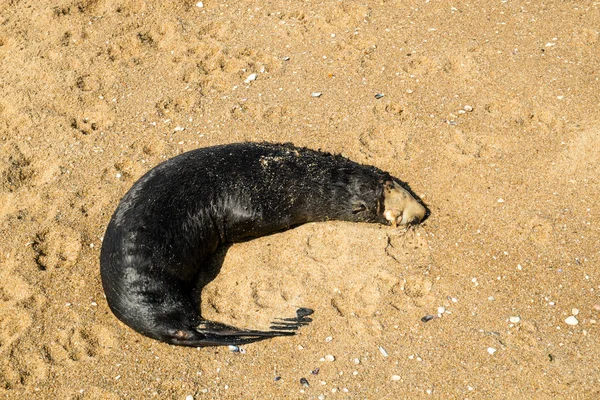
point(176, 216)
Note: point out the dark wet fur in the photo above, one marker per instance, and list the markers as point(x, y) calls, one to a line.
point(174, 218)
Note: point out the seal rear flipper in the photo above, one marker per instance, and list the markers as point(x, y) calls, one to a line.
point(210, 333)
point(289, 324)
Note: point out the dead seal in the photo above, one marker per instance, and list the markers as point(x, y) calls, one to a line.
point(174, 218)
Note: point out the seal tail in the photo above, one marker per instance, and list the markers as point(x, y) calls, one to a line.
point(210, 333)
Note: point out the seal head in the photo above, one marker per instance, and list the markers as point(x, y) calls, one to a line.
point(401, 208)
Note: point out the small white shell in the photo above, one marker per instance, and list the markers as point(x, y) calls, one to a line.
point(571, 320)
point(383, 352)
point(250, 78)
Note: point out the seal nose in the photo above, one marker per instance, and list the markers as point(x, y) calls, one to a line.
point(413, 213)
point(401, 208)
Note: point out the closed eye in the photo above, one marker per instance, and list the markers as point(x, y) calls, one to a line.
point(358, 207)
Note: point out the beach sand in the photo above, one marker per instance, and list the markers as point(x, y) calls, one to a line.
point(490, 112)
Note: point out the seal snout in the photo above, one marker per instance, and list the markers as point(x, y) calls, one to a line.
point(413, 213)
point(401, 208)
